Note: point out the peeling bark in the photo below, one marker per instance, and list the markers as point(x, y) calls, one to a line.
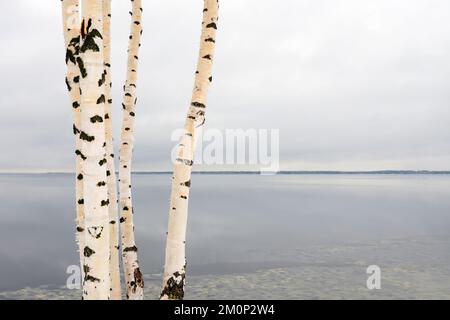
point(175, 263)
point(133, 277)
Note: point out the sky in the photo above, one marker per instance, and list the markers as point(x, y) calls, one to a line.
point(350, 84)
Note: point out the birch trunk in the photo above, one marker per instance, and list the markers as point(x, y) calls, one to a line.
point(133, 277)
point(96, 252)
point(71, 27)
point(175, 264)
point(114, 268)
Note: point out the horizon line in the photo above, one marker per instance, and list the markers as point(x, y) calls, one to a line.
point(389, 171)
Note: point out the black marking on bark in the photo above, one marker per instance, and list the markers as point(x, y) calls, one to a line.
point(183, 197)
point(75, 105)
point(191, 117)
point(210, 79)
point(102, 80)
point(87, 252)
point(96, 118)
point(104, 202)
point(122, 219)
point(101, 184)
point(130, 249)
point(102, 162)
point(132, 114)
point(208, 57)
point(76, 79)
point(125, 209)
point(80, 201)
point(108, 173)
point(91, 278)
point(138, 280)
point(86, 137)
point(112, 222)
point(82, 156)
point(75, 130)
point(186, 184)
point(174, 288)
point(69, 88)
point(128, 95)
point(110, 100)
point(211, 25)
point(210, 40)
point(82, 29)
point(89, 39)
point(198, 105)
point(70, 56)
point(80, 229)
point(106, 115)
point(187, 162)
point(137, 23)
point(80, 177)
point(80, 64)
point(95, 232)
point(101, 99)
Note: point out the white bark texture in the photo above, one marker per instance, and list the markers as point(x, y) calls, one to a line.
point(175, 264)
point(96, 284)
point(71, 26)
point(133, 277)
point(114, 265)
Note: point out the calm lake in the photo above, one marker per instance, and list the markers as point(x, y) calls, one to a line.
point(294, 236)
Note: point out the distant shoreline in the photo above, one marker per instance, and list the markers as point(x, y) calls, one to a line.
point(287, 172)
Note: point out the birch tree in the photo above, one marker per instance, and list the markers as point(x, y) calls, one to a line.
point(114, 266)
point(175, 262)
point(133, 277)
point(96, 284)
point(71, 27)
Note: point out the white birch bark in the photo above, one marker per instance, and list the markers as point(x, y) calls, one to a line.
point(175, 263)
point(114, 265)
point(133, 277)
point(96, 284)
point(71, 27)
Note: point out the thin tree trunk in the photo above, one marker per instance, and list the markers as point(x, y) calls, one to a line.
point(71, 26)
point(133, 277)
point(175, 264)
point(114, 268)
point(96, 252)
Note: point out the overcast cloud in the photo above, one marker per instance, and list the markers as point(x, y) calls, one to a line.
point(351, 84)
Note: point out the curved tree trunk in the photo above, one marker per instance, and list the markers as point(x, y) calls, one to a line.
point(133, 277)
point(175, 264)
point(71, 26)
point(111, 170)
point(92, 133)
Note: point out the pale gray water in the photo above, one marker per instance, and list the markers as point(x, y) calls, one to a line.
point(250, 236)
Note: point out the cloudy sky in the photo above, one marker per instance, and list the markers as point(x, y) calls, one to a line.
point(351, 84)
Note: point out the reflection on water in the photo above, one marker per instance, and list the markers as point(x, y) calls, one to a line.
point(295, 236)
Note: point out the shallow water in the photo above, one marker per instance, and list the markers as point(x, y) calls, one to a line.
point(249, 236)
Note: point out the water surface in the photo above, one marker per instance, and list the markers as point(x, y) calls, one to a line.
point(249, 236)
